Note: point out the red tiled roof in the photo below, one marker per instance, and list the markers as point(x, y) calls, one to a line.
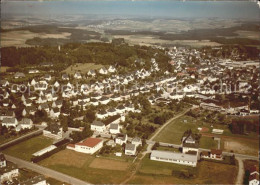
point(254, 176)
point(90, 142)
point(253, 169)
point(217, 152)
point(71, 145)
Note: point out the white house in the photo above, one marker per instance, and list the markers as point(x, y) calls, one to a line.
point(173, 157)
point(9, 122)
point(88, 146)
point(103, 71)
point(98, 126)
point(26, 123)
point(114, 128)
point(130, 149)
point(111, 69)
point(137, 141)
point(102, 114)
point(77, 75)
point(91, 73)
point(55, 112)
point(189, 144)
point(121, 139)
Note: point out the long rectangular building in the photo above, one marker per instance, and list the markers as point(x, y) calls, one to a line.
point(173, 157)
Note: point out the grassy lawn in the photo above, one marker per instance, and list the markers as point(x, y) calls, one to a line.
point(206, 173)
point(161, 168)
point(208, 142)
point(87, 167)
point(83, 68)
point(24, 150)
point(241, 145)
point(174, 131)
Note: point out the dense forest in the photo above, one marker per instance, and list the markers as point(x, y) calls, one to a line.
point(99, 53)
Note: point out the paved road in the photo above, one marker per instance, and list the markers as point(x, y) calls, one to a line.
point(45, 171)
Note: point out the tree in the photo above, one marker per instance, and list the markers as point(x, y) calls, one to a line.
point(90, 115)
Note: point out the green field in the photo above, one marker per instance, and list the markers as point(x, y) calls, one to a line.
point(83, 68)
point(78, 165)
point(208, 142)
point(161, 168)
point(174, 131)
point(24, 150)
point(206, 172)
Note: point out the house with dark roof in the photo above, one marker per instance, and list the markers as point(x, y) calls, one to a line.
point(121, 139)
point(254, 176)
point(130, 149)
point(53, 130)
point(9, 122)
point(114, 128)
point(98, 126)
point(88, 146)
point(189, 143)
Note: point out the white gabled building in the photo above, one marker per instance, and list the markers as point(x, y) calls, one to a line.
point(173, 157)
point(26, 123)
point(98, 126)
point(88, 146)
point(9, 122)
point(54, 131)
point(103, 71)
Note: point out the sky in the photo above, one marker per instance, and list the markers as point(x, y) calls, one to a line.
point(171, 9)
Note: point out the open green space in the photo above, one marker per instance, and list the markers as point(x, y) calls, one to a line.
point(78, 165)
point(174, 131)
point(208, 143)
point(24, 150)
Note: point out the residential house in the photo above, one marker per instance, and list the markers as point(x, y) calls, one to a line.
point(102, 114)
point(121, 139)
point(174, 157)
point(98, 126)
point(103, 71)
point(77, 75)
point(26, 123)
point(137, 141)
point(44, 107)
point(6, 114)
point(91, 73)
point(53, 130)
point(47, 77)
point(88, 146)
point(9, 122)
point(254, 176)
point(111, 69)
point(65, 77)
point(19, 75)
point(114, 128)
point(55, 112)
point(189, 143)
point(130, 149)
point(216, 154)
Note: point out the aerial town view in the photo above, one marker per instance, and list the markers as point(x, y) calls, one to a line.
point(129, 92)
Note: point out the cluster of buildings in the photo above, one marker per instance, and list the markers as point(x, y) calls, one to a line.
point(9, 174)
